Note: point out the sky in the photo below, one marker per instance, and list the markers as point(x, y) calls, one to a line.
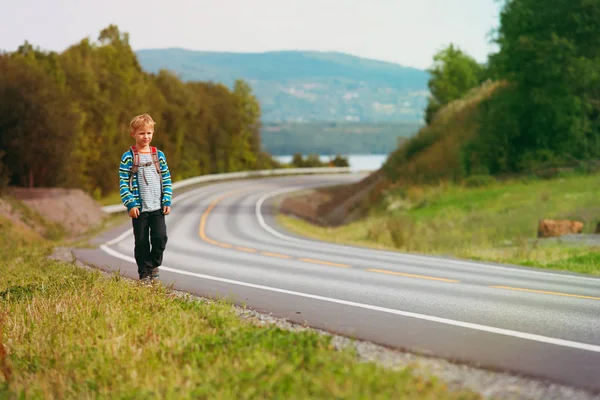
point(407, 32)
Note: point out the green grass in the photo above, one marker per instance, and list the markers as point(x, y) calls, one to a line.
point(493, 223)
point(66, 332)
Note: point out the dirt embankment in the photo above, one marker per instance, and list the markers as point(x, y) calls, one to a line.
point(72, 209)
point(336, 205)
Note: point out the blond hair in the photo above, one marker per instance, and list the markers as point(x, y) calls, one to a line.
point(141, 121)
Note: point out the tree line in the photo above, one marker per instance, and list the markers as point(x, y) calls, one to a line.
point(547, 110)
point(64, 117)
point(313, 160)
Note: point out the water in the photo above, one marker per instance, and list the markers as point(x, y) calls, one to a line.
point(358, 162)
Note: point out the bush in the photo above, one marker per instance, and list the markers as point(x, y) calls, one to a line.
point(375, 231)
point(479, 181)
point(396, 230)
point(340, 161)
point(297, 160)
point(401, 229)
point(313, 161)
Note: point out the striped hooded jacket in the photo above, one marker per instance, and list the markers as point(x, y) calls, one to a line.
point(130, 196)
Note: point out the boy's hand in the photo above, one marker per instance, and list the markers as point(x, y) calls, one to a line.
point(134, 212)
point(166, 210)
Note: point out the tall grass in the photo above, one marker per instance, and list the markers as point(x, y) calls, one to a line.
point(68, 333)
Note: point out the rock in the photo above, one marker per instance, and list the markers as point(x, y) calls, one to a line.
point(550, 227)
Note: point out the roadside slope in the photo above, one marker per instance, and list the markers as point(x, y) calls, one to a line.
point(432, 155)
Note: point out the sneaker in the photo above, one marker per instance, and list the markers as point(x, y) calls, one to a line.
point(154, 273)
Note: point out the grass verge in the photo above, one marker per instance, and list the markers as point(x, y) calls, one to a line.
point(66, 332)
point(497, 222)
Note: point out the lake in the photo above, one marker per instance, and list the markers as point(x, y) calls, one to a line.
point(358, 162)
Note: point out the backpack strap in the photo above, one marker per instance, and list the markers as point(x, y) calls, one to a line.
point(136, 159)
point(155, 159)
point(154, 152)
point(136, 164)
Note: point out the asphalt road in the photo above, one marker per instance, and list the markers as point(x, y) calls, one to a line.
point(224, 242)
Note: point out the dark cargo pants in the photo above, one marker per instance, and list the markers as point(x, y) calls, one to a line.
point(149, 228)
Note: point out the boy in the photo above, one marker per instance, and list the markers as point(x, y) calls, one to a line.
point(145, 188)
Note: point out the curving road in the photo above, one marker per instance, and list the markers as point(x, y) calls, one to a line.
point(223, 241)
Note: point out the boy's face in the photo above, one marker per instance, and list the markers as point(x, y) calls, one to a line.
point(143, 136)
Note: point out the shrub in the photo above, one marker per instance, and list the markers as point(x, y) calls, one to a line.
point(479, 181)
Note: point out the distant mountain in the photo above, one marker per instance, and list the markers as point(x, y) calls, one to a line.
point(306, 86)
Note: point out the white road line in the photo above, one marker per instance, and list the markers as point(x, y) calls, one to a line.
point(468, 325)
point(404, 256)
point(118, 238)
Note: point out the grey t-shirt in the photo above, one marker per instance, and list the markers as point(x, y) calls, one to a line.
point(149, 187)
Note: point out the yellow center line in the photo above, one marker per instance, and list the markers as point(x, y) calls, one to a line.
point(545, 292)
point(204, 236)
point(310, 260)
point(384, 271)
point(206, 213)
point(201, 229)
point(246, 249)
point(266, 253)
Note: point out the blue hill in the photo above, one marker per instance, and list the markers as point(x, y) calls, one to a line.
point(306, 85)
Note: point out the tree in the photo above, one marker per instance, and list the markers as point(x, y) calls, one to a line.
point(550, 52)
point(38, 122)
point(453, 74)
point(340, 161)
point(298, 160)
point(247, 142)
point(312, 161)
